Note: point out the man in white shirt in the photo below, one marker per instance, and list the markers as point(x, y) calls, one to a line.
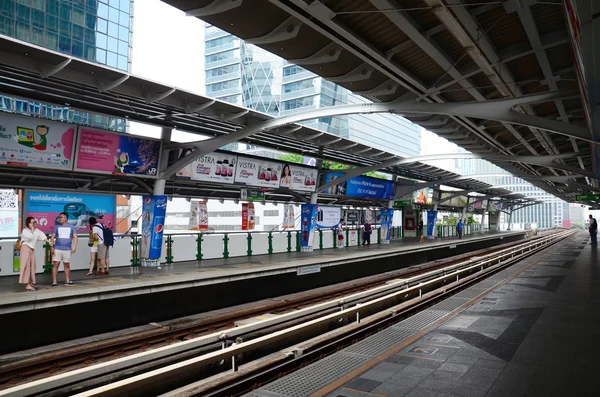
point(64, 243)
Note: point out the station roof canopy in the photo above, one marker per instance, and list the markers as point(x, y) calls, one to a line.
point(437, 51)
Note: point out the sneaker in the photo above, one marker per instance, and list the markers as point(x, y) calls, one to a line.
point(69, 284)
point(54, 285)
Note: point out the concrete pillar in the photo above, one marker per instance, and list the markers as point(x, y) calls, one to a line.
point(509, 220)
point(159, 185)
point(464, 214)
point(313, 198)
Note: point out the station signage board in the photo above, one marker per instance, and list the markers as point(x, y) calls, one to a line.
point(32, 142)
point(587, 197)
point(402, 203)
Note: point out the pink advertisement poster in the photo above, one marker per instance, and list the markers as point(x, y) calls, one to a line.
point(111, 153)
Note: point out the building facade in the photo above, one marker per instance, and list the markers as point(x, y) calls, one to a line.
point(243, 74)
point(98, 31)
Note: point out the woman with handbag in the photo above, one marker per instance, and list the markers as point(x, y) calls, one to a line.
point(29, 238)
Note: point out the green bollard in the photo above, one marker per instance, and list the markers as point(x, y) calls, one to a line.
point(297, 241)
point(379, 236)
point(289, 238)
point(249, 244)
point(334, 235)
point(225, 246)
point(47, 258)
point(358, 240)
point(199, 247)
point(169, 256)
point(135, 260)
point(270, 243)
point(347, 239)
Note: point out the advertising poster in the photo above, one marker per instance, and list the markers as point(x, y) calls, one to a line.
point(193, 220)
point(385, 223)
point(431, 220)
point(33, 142)
point(328, 217)
point(248, 216)
point(153, 224)
point(110, 153)
point(198, 215)
point(298, 178)
point(307, 224)
point(213, 167)
point(360, 186)
point(9, 213)
point(289, 219)
point(45, 207)
point(423, 196)
point(245, 216)
point(492, 206)
point(258, 172)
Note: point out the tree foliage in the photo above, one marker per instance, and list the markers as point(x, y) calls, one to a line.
point(328, 165)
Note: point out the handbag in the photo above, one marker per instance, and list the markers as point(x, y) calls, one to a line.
point(18, 244)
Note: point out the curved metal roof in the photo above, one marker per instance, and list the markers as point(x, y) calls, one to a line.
point(435, 51)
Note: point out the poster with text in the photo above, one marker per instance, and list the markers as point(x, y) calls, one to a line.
point(154, 211)
point(111, 153)
point(258, 172)
point(328, 217)
point(198, 215)
point(360, 186)
point(289, 220)
point(9, 213)
point(298, 178)
point(385, 224)
point(308, 217)
point(46, 206)
point(32, 142)
point(213, 167)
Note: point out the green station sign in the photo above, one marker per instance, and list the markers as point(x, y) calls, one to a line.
point(587, 197)
point(403, 203)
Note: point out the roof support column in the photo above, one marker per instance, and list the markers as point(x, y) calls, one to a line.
point(159, 185)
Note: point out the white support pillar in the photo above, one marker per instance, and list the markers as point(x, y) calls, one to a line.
point(464, 214)
point(483, 220)
point(509, 220)
point(313, 198)
point(159, 185)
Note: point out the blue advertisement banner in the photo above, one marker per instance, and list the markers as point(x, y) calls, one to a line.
point(153, 224)
point(385, 222)
point(360, 186)
point(45, 207)
point(431, 219)
point(308, 222)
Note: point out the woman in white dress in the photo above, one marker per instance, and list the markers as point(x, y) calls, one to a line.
point(29, 238)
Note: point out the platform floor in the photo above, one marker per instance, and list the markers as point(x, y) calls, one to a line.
point(529, 330)
point(129, 277)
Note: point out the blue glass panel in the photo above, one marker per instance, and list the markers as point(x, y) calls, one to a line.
point(113, 15)
point(64, 44)
point(65, 28)
point(111, 59)
point(103, 10)
point(51, 41)
point(123, 48)
point(23, 31)
point(7, 8)
point(123, 34)
point(113, 3)
point(101, 40)
point(112, 44)
point(89, 52)
point(113, 29)
point(52, 7)
point(102, 25)
point(123, 63)
point(100, 56)
point(91, 4)
point(77, 48)
point(23, 14)
point(78, 33)
point(90, 36)
point(124, 19)
point(90, 21)
point(7, 26)
point(65, 11)
point(124, 6)
point(38, 18)
point(78, 16)
point(38, 4)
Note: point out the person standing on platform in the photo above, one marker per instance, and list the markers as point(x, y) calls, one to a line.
point(459, 228)
point(421, 231)
point(98, 232)
point(93, 244)
point(29, 238)
point(593, 228)
point(340, 234)
point(64, 243)
point(368, 229)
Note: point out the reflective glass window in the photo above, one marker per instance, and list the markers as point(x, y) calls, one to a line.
point(123, 33)
point(111, 59)
point(113, 14)
point(23, 14)
point(112, 44)
point(103, 10)
point(51, 41)
point(90, 36)
point(113, 3)
point(64, 44)
point(89, 52)
point(100, 56)
point(124, 6)
point(91, 4)
point(77, 48)
point(52, 7)
point(78, 16)
point(38, 4)
point(65, 28)
point(37, 36)
point(90, 21)
point(113, 29)
point(38, 19)
point(23, 31)
point(122, 63)
point(123, 19)
point(102, 25)
point(101, 40)
point(123, 48)
point(78, 32)
point(7, 26)
point(65, 11)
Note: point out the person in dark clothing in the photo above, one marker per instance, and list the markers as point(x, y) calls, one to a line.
point(421, 231)
point(459, 228)
point(593, 229)
point(367, 233)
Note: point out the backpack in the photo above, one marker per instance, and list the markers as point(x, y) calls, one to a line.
point(108, 238)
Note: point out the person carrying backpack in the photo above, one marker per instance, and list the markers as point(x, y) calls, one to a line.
point(593, 229)
point(106, 240)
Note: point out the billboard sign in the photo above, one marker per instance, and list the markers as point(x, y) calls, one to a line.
point(33, 142)
point(423, 196)
point(258, 172)
point(45, 207)
point(111, 153)
point(9, 213)
point(213, 167)
point(298, 178)
point(328, 217)
point(360, 186)
point(153, 225)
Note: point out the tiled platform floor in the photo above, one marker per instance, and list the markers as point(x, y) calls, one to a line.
point(535, 333)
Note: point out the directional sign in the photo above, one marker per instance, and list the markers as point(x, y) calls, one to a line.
point(587, 197)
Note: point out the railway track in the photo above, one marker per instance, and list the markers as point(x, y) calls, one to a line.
point(217, 334)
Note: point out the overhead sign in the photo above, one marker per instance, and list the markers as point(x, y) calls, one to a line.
point(423, 196)
point(587, 197)
point(258, 172)
point(33, 142)
point(46, 206)
point(213, 167)
point(298, 178)
point(360, 186)
point(402, 203)
point(111, 153)
point(252, 195)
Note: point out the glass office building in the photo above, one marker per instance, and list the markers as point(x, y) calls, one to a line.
point(243, 74)
point(95, 30)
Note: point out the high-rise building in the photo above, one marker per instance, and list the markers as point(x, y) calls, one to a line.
point(245, 75)
point(95, 30)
